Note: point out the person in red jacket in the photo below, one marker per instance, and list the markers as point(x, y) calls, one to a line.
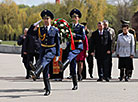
point(81, 58)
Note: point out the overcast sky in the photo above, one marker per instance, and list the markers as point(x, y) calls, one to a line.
point(32, 2)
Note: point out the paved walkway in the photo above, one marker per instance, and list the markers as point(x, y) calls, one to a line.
point(15, 88)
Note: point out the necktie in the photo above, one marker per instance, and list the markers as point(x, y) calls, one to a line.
point(101, 37)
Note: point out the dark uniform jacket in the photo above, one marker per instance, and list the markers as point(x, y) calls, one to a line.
point(49, 40)
point(100, 44)
point(79, 35)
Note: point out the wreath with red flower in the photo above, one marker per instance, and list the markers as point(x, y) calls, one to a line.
point(64, 31)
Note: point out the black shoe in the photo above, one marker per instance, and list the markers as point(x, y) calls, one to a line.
point(126, 79)
point(110, 77)
point(120, 78)
point(75, 87)
point(91, 76)
point(47, 87)
point(74, 79)
point(107, 79)
point(27, 77)
point(100, 79)
point(47, 93)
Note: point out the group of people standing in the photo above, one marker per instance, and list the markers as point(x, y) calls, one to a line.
point(102, 45)
point(44, 44)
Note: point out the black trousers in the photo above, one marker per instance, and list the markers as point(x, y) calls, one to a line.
point(31, 56)
point(46, 77)
point(124, 72)
point(46, 72)
point(84, 71)
point(90, 64)
point(25, 57)
point(73, 67)
point(103, 67)
point(110, 63)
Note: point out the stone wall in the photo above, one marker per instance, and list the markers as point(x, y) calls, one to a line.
point(17, 50)
point(10, 49)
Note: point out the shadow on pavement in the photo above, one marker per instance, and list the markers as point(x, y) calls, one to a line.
point(37, 92)
point(10, 91)
point(22, 79)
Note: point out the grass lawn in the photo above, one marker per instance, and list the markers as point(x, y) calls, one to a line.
point(9, 43)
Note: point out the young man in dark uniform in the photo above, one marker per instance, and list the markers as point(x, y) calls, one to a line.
point(78, 35)
point(50, 47)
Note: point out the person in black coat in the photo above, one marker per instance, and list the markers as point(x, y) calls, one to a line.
point(113, 38)
point(21, 41)
point(101, 47)
point(31, 48)
point(90, 59)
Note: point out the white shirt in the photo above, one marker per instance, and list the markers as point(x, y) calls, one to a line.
point(48, 27)
point(125, 45)
point(101, 32)
point(75, 24)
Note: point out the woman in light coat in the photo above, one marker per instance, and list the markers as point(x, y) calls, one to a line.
point(125, 52)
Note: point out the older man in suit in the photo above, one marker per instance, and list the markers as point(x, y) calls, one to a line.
point(101, 47)
point(113, 38)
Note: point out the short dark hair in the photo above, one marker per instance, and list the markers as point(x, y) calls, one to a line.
point(125, 25)
point(100, 22)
